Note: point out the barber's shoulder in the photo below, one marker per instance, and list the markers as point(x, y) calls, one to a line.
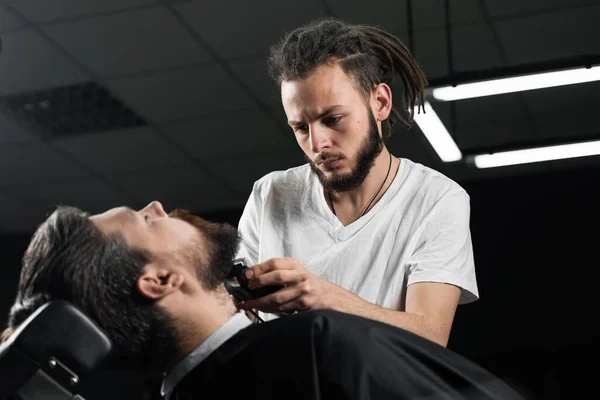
point(433, 183)
point(289, 178)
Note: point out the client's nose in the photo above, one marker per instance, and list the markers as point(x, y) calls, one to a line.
point(155, 210)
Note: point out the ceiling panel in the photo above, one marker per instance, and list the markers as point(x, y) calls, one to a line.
point(34, 162)
point(185, 93)
point(473, 48)
point(11, 132)
point(431, 13)
point(253, 26)
point(386, 14)
point(9, 21)
point(392, 14)
point(254, 73)
point(179, 187)
point(43, 11)
point(570, 125)
point(502, 133)
point(89, 195)
point(226, 136)
point(488, 110)
point(128, 42)
point(18, 217)
point(255, 167)
point(556, 35)
point(511, 7)
point(123, 150)
point(28, 63)
point(564, 99)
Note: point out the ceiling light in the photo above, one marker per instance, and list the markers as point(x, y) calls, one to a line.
point(516, 84)
point(538, 154)
point(437, 134)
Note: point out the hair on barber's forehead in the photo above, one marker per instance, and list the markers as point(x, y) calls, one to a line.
point(367, 54)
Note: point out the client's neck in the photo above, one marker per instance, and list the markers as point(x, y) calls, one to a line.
point(201, 317)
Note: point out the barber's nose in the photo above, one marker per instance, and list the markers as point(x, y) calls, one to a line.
point(154, 210)
point(319, 140)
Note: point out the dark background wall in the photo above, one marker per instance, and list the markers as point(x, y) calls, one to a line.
point(536, 242)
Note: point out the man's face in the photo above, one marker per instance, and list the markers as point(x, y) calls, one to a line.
point(333, 126)
point(178, 237)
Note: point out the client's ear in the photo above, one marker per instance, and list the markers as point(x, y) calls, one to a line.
point(156, 282)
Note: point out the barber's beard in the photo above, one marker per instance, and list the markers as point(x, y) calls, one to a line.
point(370, 148)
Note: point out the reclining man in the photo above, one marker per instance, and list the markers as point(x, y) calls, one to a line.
point(154, 282)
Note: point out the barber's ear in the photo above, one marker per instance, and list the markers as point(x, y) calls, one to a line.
point(381, 101)
point(156, 283)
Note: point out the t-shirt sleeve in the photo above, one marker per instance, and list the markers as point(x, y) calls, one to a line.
point(444, 252)
point(249, 226)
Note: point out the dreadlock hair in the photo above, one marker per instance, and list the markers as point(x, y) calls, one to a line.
point(368, 54)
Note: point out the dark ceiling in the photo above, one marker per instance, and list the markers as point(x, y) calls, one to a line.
point(170, 100)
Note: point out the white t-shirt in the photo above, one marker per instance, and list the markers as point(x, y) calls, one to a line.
point(417, 232)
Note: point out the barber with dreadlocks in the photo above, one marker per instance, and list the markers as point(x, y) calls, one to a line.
point(357, 229)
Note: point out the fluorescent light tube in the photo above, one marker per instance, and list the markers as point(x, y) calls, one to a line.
point(437, 134)
point(516, 84)
point(538, 154)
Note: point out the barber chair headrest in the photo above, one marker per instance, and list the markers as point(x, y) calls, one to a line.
point(50, 353)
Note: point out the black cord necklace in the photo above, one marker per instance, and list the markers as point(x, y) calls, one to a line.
point(374, 197)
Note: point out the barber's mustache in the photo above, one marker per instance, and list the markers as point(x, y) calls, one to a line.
point(322, 157)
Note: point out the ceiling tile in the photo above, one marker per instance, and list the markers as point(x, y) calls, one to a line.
point(89, 195)
point(181, 94)
point(122, 151)
point(17, 217)
point(570, 125)
point(431, 13)
point(488, 110)
point(557, 35)
point(386, 14)
point(28, 63)
point(128, 42)
point(10, 132)
point(497, 134)
point(43, 11)
point(254, 73)
point(252, 26)
point(179, 187)
point(255, 167)
point(565, 99)
point(34, 162)
point(230, 135)
point(8, 21)
point(391, 15)
point(508, 7)
point(430, 52)
point(473, 48)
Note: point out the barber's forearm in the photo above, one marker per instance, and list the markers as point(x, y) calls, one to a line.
point(350, 303)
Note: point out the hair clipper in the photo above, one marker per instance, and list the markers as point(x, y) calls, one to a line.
point(243, 292)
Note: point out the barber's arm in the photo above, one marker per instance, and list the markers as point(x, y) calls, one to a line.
point(441, 265)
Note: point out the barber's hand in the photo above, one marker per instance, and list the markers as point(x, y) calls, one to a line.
point(302, 290)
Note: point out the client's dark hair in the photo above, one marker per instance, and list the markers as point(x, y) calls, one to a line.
point(368, 54)
point(68, 258)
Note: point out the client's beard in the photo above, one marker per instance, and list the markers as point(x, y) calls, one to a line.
point(215, 251)
point(370, 148)
point(216, 247)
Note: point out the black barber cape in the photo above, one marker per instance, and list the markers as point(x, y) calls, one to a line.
point(329, 355)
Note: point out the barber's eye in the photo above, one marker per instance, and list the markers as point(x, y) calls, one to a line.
point(301, 129)
point(333, 120)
